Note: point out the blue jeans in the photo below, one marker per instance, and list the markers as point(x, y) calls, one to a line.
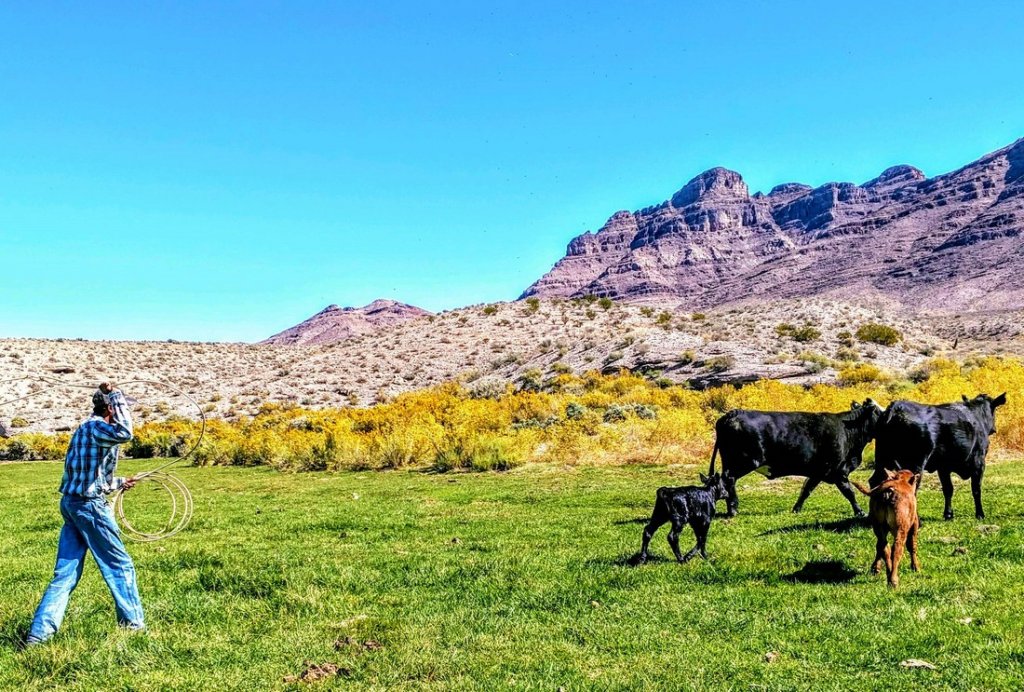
point(89, 525)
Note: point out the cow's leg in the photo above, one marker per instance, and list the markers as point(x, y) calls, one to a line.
point(732, 502)
point(898, 545)
point(915, 564)
point(673, 538)
point(947, 493)
point(700, 530)
point(847, 490)
point(979, 513)
point(881, 550)
point(658, 517)
point(809, 485)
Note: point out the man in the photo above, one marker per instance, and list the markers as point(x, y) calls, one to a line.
point(89, 523)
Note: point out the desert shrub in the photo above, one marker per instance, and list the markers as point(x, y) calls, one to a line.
point(801, 334)
point(560, 368)
point(845, 338)
point(574, 411)
point(859, 374)
point(532, 380)
point(664, 318)
point(449, 427)
point(490, 309)
point(532, 304)
point(33, 447)
point(615, 414)
point(815, 362)
point(19, 422)
point(874, 333)
point(686, 357)
point(720, 363)
point(647, 311)
point(847, 354)
point(605, 302)
point(644, 412)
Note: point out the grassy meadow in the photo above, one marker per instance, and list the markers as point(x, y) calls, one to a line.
point(516, 580)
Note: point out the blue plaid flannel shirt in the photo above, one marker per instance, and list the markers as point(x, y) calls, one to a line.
point(91, 460)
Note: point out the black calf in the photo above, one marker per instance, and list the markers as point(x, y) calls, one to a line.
point(693, 505)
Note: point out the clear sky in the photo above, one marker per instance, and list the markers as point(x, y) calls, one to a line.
point(220, 171)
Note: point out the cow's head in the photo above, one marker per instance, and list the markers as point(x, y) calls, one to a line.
point(864, 417)
point(902, 474)
point(716, 484)
point(984, 408)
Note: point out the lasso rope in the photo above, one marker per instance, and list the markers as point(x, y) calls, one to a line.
point(181, 499)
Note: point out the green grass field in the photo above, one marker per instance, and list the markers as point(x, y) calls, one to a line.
point(516, 580)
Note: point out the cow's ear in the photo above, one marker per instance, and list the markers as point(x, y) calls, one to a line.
point(889, 474)
point(854, 406)
point(703, 479)
point(999, 401)
point(964, 397)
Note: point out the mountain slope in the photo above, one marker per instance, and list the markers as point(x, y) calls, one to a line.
point(337, 324)
point(950, 242)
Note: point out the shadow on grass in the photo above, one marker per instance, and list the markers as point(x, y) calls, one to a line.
point(627, 560)
point(823, 572)
point(638, 520)
point(839, 526)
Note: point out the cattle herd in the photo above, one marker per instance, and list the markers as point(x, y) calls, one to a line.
point(910, 438)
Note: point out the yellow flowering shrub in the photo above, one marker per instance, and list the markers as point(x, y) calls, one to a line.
point(590, 418)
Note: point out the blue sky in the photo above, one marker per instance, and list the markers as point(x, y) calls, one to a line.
point(220, 171)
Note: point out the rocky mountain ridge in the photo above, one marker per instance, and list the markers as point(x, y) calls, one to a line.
point(952, 242)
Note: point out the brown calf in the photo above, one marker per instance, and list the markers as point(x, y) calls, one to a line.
point(894, 510)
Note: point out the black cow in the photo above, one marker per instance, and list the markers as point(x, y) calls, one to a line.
point(821, 446)
point(691, 504)
point(948, 438)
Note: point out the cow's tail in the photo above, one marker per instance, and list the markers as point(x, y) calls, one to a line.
point(863, 488)
point(714, 453)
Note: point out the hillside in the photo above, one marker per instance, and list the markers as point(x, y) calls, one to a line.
point(487, 347)
point(337, 324)
point(950, 243)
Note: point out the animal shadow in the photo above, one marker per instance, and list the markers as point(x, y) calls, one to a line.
point(838, 526)
point(823, 572)
point(638, 520)
point(629, 560)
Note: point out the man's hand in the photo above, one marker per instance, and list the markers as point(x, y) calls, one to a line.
point(108, 387)
point(129, 483)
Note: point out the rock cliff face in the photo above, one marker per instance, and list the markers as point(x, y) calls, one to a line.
point(951, 242)
point(337, 324)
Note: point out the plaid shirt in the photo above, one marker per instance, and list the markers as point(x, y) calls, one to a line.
point(92, 455)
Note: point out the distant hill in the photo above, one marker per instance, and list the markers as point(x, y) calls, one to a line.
point(952, 242)
point(337, 324)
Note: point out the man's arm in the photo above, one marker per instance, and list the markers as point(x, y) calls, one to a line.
point(120, 429)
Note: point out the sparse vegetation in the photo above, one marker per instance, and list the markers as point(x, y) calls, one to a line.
point(875, 333)
point(801, 334)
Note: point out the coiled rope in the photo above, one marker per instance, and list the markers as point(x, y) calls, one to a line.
point(182, 505)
